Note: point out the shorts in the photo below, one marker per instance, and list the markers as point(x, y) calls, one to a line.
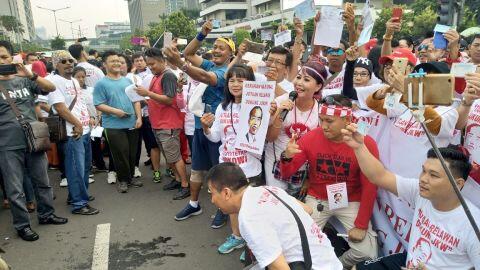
point(205, 153)
point(147, 134)
point(169, 142)
point(390, 262)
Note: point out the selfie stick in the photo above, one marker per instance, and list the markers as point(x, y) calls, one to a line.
point(420, 118)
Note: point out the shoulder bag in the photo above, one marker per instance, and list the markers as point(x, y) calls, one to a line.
point(36, 132)
point(57, 125)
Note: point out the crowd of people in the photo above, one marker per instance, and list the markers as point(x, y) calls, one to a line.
point(339, 156)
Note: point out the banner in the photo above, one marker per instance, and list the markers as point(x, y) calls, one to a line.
point(255, 115)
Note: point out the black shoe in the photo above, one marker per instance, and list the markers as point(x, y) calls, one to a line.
point(172, 185)
point(122, 187)
point(182, 193)
point(90, 198)
point(135, 183)
point(148, 162)
point(87, 210)
point(53, 219)
point(28, 234)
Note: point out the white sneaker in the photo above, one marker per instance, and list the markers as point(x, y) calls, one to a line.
point(64, 182)
point(91, 180)
point(137, 173)
point(112, 177)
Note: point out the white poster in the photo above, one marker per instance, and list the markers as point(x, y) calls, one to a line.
point(255, 115)
point(330, 27)
point(287, 4)
point(266, 34)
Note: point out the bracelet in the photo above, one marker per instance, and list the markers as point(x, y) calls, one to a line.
point(283, 158)
point(201, 36)
point(387, 38)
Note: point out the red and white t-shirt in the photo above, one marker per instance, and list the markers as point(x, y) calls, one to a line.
point(440, 240)
point(224, 129)
point(472, 144)
point(269, 229)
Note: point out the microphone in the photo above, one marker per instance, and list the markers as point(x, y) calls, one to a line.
point(292, 96)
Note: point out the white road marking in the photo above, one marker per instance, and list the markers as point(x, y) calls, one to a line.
point(101, 247)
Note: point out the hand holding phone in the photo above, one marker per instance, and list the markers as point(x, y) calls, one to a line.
point(397, 13)
point(208, 108)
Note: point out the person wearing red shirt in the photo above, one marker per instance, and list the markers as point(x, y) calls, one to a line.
point(165, 116)
point(337, 187)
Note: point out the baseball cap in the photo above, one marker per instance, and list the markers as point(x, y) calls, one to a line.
point(399, 53)
point(433, 67)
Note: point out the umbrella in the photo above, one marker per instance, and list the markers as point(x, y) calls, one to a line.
point(470, 31)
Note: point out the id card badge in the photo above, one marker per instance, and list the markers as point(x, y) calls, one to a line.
point(363, 127)
point(337, 196)
point(392, 100)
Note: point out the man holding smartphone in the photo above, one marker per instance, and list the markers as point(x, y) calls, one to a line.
point(69, 101)
point(15, 161)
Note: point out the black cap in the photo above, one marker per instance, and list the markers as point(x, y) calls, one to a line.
point(433, 67)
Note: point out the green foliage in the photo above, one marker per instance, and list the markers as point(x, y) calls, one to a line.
point(11, 24)
point(29, 47)
point(424, 22)
point(58, 43)
point(191, 13)
point(385, 15)
point(418, 6)
point(240, 34)
point(177, 23)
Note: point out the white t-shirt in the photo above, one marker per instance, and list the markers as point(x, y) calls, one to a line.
point(188, 91)
point(94, 74)
point(225, 131)
point(472, 133)
point(296, 121)
point(147, 79)
point(89, 101)
point(44, 99)
point(65, 93)
point(144, 73)
point(270, 229)
point(441, 240)
point(336, 85)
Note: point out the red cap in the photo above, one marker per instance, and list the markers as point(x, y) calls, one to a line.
point(399, 53)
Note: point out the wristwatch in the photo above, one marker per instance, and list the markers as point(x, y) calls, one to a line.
point(34, 77)
point(284, 158)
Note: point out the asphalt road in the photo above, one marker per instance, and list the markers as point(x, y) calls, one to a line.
point(143, 233)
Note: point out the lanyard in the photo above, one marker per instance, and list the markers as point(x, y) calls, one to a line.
point(308, 117)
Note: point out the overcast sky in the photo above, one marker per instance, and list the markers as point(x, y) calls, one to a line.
point(92, 12)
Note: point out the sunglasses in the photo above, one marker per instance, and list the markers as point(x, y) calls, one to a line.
point(422, 47)
point(329, 100)
point(64, 61)
point(338, 52)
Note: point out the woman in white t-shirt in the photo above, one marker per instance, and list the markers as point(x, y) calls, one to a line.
point(302, 117)
point(223, 127)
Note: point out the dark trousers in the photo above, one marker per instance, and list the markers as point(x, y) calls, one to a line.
point(14, 165)
point(61, 158)
point(97, 154)
point(123, 146)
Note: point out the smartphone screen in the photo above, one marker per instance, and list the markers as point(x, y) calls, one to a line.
point(167, 39)
point(8, 69)
point(208, 108)
point(397, 13)
point(400, 64)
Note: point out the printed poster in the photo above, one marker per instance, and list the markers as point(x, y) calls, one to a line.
point(255, 115)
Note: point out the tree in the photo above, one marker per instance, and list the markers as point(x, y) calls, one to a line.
point(11, 24)
point(191, 13)
point(58, 43)
point(176, 23)
point(240, 34)
point(424, 22)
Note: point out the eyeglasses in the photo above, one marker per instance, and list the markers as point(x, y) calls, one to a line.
point(333, 51)
point(422, 47)
point(64, 61)
point(276, 61)
point(363, 74)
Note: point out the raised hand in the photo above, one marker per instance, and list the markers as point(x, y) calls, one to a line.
point(352, 137)
point(273, 108)
point(207, 27)
point(393, 25)
point(352, 53)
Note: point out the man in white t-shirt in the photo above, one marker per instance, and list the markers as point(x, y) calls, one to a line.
point(266, 224)
point(78, 152)
point(441, 236)
point(94, 74)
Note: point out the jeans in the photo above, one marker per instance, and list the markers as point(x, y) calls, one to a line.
point(78, 160)
point(14, 165)
point(28, 188)
point(123, 145)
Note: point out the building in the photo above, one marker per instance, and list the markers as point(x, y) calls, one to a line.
point(41, 32)
point(112, 28)
point(176, 5)
point(22, 10)
point(227, 12)
point(143, 12)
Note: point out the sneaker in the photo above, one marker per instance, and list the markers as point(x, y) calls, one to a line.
point(91, 175)
point(87, 210)
point(174, 184)
point(122, 187)
point(188, 211)
point(137, 173)
point(136, 183)
point(112, 177)
point(28, 234)
point(91, 180)
point(64, 182)
point(219, 220)
point(231, 244)
point(242, 256)
point(157, 177)
point(169, 172)
point(182, 193)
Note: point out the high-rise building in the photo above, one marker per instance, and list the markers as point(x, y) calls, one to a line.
point(22, 10)
point(228, 12)
point(143, 12)
point(112, 28)
point(41, 32)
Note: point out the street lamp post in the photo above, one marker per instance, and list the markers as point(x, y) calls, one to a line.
point(54, 14)
point(71, 25)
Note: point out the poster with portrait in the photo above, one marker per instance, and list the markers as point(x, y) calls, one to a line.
point(255, 115)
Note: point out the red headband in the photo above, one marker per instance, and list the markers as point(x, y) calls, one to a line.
point(335, 110)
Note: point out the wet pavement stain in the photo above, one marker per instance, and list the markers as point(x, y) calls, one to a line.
point(134, 254)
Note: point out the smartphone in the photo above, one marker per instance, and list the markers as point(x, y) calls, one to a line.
point(136, 40)
point(208, 108)
point(397, 12)
point(438, 89)
point(400, 65)
point(8, 69)
point(182, 41)
point(167, 39)
point(216, 24)
point(255, 47)
point(262, 69)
